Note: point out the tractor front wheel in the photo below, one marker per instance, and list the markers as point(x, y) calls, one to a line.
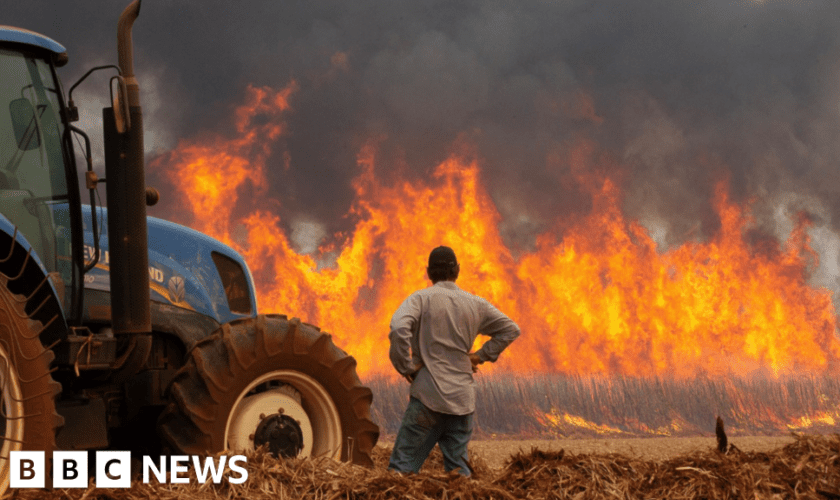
point(28, 420)
point(274, 382)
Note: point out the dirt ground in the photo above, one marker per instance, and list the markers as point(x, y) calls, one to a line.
point(495, 452)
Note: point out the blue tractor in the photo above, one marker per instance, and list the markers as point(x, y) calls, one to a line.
point(123, 331)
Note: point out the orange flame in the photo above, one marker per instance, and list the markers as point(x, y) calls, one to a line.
point(598, 300)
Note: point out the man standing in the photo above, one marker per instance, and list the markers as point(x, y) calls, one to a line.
point(432, 333)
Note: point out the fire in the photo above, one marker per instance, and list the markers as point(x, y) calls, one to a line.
point(806, 422)
point(702, 308)
point(595, 296)
point(560, 422)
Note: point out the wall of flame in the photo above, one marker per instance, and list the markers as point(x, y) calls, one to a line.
point(595, 295)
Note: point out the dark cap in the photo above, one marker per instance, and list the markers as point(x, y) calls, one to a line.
point(442, 257)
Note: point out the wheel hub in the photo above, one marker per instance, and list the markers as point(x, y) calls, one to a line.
point(281, 433)
point(319, 422)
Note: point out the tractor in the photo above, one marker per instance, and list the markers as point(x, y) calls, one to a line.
point(124, 331)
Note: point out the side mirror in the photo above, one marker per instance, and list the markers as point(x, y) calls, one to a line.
point(24, 124)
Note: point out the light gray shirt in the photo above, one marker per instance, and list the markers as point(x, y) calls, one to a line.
point(438, 325)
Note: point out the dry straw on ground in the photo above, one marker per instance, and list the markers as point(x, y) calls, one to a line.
point(807, 468)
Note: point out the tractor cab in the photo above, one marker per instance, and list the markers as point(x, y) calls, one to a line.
point(36, 170)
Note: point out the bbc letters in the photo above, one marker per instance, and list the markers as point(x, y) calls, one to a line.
point(113, 469)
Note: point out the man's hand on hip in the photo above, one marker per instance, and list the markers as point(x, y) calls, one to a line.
point(411, 376)
point(475, 360)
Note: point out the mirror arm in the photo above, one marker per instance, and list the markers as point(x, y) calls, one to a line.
point(91, 181)
point(72, 110)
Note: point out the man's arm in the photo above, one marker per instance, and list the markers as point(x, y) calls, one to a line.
point(403, 324)
point(502, 331)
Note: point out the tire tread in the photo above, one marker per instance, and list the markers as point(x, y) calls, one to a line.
point(204, 389)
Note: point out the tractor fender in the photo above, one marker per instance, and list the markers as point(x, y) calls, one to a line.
point(11, 230)
point(30, 278)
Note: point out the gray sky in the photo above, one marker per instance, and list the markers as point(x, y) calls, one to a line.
point(674, 93)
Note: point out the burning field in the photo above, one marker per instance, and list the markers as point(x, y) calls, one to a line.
point(622, 337)
point(563, 407)
point(669, 255)
point(648, 188)
point(594, 296)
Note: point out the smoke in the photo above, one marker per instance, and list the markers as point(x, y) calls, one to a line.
point(669, 97)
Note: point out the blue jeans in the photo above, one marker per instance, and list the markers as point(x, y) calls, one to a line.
point(421, 429)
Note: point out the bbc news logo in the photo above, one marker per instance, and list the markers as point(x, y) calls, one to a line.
point(113, 469)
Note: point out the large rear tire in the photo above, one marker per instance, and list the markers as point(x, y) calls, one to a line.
point(270, 380)
point(28, 420)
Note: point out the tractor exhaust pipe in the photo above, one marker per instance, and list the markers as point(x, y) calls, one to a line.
point(124, 170)
point(125, 51)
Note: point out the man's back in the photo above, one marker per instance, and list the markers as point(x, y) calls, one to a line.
point(432, 333)
point(440, 324)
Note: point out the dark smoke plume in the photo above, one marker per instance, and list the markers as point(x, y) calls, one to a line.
point(674, 96)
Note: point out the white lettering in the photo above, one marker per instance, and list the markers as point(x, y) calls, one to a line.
point(176, 467)
point(243, 473)
point(160, 473)
point(156, 274)
point(90, 253)
point(113, 469)
point(70, 469)
point(201, 472)
point(27, 469)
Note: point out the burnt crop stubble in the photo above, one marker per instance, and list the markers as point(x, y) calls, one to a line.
point(805, 468)
point(559, 437)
